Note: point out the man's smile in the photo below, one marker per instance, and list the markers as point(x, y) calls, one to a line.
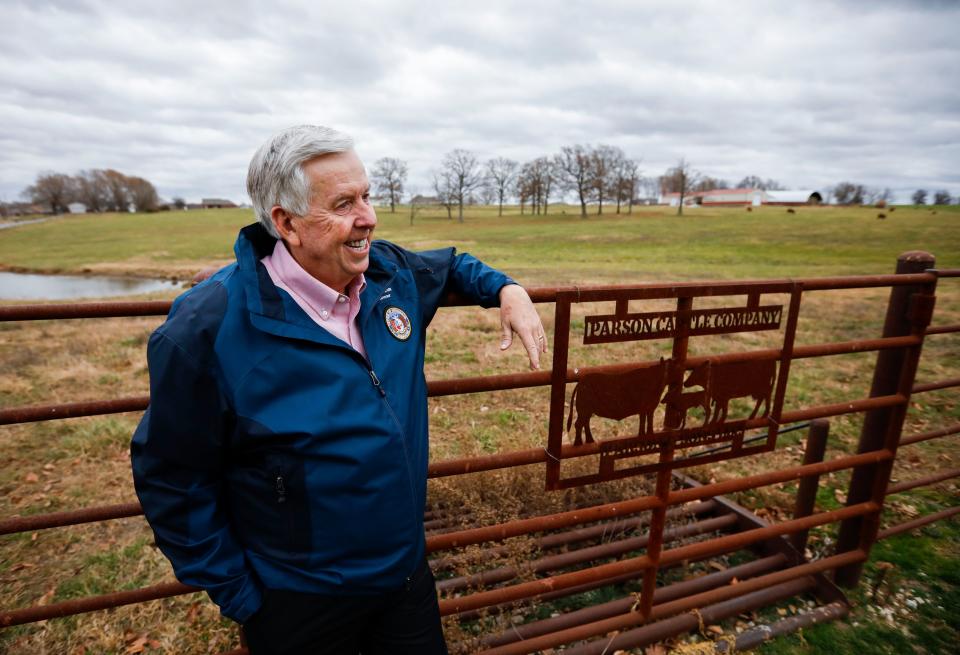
point(359, 245)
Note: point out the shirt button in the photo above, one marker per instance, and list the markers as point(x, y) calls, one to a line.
point(341, 299)
point(324, 313)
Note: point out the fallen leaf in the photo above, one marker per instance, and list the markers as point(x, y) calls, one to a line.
point(656, 649)
point(31, 477)
point(840, 495)
point(715, 629)
point(22, 565)
point(781, 611)
point(137, 645)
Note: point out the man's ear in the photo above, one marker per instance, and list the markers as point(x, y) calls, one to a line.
point(283, 222)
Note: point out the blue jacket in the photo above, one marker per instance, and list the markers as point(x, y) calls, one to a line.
point(275, 455)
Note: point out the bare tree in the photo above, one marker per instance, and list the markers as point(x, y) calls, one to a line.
point(941, 197)
point(628, 176)
point(179, 203)
point(849, 193)
point(546, 177)
point(573, 166)
point(389, 174)
point(920, 197)
point(604, 161)
point(523, 187)
point(54, 189)
point(755, 182)
point(142, 194)
point(463, 172)
point(679, 179)
point(501, 173)
point(538, 178)
point(92, 190)
point(707, 183)
point(119, 196)
point(442, 186)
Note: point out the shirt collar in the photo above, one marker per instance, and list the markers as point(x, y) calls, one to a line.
point(290, 275)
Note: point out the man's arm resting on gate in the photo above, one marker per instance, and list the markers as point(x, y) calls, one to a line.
point(177, 466)
point(517, 314)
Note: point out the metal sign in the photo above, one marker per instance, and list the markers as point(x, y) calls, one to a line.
point(696, 422)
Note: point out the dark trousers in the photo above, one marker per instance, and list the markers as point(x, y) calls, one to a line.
point(406, 621)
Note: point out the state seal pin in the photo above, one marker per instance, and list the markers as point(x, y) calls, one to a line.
point(398, 323)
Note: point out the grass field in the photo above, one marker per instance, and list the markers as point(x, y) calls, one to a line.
point(70, 464)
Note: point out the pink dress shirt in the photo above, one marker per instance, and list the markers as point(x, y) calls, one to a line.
point(334, 312)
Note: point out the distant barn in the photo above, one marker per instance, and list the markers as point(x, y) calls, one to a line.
point(792, 198)
point(741, 197)
point(217, 203)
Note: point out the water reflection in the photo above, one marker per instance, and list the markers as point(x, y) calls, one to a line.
point(29, 286)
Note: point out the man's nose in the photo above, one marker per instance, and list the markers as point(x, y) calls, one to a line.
point(366, 217)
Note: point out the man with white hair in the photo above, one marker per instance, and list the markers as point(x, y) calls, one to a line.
point(282, 462)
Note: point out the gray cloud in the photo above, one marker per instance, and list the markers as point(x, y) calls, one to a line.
point(182, 93)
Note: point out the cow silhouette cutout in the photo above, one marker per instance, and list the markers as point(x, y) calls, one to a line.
point(724, 381)
point(617, 396)
point(677, 401)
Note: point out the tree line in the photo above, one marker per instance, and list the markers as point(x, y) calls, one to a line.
point(600, 175)
point(603, 175)
point(98, 189)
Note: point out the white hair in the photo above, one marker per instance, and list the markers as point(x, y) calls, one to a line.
point(276, 174)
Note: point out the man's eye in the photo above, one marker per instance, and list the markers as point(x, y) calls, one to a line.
point(366, 198)
point(343, 206)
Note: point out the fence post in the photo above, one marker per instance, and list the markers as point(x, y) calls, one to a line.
point(807, 489)
point(908, 312)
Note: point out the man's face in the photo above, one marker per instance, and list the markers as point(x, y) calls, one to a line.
point(332, 241)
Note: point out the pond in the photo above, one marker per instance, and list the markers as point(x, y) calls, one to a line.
point(30, 286)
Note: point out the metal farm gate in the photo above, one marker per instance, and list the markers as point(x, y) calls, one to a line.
point(693, 405)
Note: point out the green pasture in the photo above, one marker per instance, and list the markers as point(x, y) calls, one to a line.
point(560, 246)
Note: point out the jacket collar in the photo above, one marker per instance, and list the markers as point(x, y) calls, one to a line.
point(277, 313)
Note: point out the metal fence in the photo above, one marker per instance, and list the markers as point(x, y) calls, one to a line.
point(631, 539)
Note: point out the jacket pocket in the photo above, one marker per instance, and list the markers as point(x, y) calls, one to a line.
point(288, 498)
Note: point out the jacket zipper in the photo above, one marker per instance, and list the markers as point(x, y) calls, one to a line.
point(376, 384)
point(403, 437)
point(281, 490)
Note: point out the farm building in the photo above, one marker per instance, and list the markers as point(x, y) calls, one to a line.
point(738, 197)
point(216, 203)
point(792, 197)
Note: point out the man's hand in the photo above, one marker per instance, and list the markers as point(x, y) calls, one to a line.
point(517, 315)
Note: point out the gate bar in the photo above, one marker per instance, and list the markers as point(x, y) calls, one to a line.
point(922, 482)
point(931, 434)
point(918, 523)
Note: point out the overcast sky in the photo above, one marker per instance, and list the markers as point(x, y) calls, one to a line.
point(181, 93)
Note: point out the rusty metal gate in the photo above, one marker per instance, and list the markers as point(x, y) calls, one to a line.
point(694, 403)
